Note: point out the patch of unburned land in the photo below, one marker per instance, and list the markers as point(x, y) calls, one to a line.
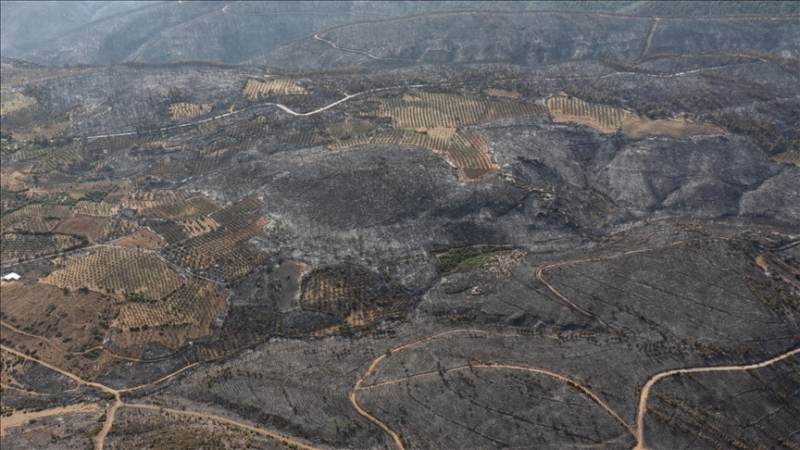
point(254, 89)
point(608, 119)
point(14, 101)
point(118, 271)
point(184, 110)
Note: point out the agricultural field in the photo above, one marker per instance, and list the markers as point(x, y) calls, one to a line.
point(141, 238)
point(25, 246)
point(118, 271)
point(35, 218)
point(184, 110)
point(73, 320)
point(424, 110)
point(788, 157)
point(255, 89)
point(14, 101)
point(355, 297)
point(466, 151)
point(184, 315)
point(400, 225)
point(607, 119)
point(433, 121)
point(93, 228)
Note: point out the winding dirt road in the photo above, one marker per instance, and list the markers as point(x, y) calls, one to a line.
point(19, 418)
point(540, 272)
point(645, 393)
point(119, 403)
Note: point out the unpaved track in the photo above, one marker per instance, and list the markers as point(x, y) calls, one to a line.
point(109, 414)
point(536, 370)
point(19, 418)
point(119, 403)
point(645, 393)
point(280, 106)
point(398, 442)
point(288, 440)
point(542, 269)
point(62, 349)
point(650, 37)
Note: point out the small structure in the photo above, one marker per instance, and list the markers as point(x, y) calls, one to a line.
point(13, 276)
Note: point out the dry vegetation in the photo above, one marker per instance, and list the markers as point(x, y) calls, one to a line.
point(118, 271)
point(92, 228)
point(254, 89)
point(184, 110)
point(608, 119)
point(71, 320)
point(788, 157)
point(502, 93)
point(14, 101)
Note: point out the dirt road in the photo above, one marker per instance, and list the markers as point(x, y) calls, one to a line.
point(645, 393)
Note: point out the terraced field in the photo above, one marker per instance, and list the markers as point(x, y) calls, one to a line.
point(434, 110)
point(433, 121)
point(788, 157)
point(184, 110)
point(218, 242)
point(254, 89)
point(118, 271)
point(464, 150)
point(24, 246)
point(356, 297)
point(604, 118)
point(185, 314)
point(35, 218)
point(608, 119)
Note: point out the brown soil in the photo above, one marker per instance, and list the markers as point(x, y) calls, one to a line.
point(91, 227)
point(638, 127)
point(141, 238)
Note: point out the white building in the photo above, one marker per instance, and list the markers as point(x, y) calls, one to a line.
point(13, 276)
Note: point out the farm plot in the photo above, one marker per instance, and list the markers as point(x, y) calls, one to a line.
point(223, 250)
point(788, 157)
point(184, 110)
point(99, 209)
point(433, 121)
point(468, 152)
point(189, 209)
point(91, 227)
point(14, 101)
point(200, 252)
point(254, 89)
point(35, 218)
point(118, 271)
point(608, 119)
point(603, 118)
point(356, 297)
point(186, 314)
point(152, 200)
point(432, 110)
point(71, 320)
point(141, 238)
point(498, 260)
point(24, 246)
